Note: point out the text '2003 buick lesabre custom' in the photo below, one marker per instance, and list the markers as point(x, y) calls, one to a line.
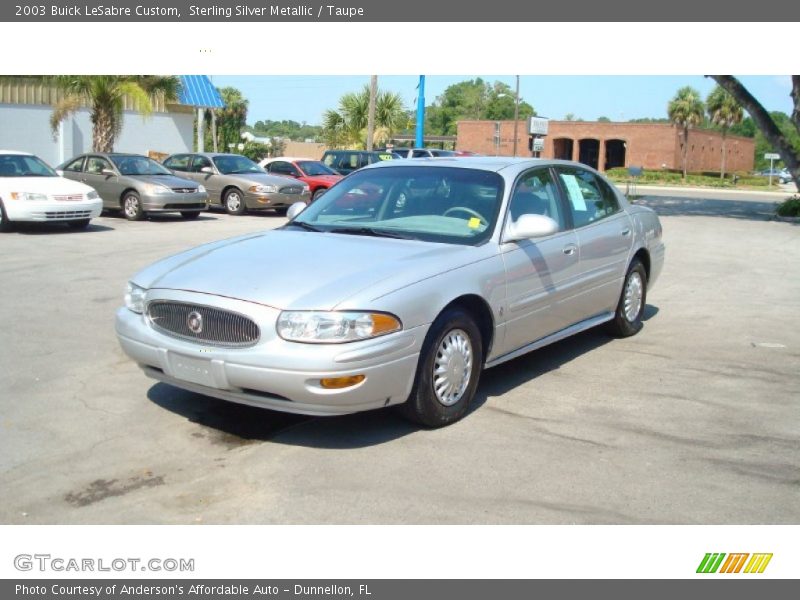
point(399, 285)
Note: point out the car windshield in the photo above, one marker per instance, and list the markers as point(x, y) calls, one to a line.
point(314, 167)
point(447, 205)
point(234, 165)
point(22, 165)
point(137, 165)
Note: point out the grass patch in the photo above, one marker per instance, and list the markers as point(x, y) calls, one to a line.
point(667, 177)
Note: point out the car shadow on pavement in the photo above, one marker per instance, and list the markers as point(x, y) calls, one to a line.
point(236, 425)
point(56, 229)
point(698, 207)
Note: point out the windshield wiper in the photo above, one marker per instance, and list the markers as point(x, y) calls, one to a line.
point(302, 225)
point(370, 231)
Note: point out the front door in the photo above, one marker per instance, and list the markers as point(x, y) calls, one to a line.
point(105, 185)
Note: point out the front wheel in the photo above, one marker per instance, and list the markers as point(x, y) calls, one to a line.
point(448, 371)
point(318, 193)
point(628, 317)
point(234, 202)
point(132, 207)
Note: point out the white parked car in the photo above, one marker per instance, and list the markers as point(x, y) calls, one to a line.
point(32, 191)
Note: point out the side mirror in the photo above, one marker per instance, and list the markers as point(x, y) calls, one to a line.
point(295, 209)
point(208, 170)
point(530, 226)
point(109, 173)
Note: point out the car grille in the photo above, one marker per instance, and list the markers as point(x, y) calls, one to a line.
point(184, 190)
point(57, 215)
point(69, 198)
point(219, 327)
point(291, 189)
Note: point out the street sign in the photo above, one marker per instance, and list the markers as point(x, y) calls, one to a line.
point(537, 125)
point(772, 156)
point(538, 144)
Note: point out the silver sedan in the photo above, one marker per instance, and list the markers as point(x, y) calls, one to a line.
point(400, 285)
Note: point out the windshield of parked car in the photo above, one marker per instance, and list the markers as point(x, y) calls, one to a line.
point(138, 165)
point(235, 165)
point(21, 165)
point(313, 168)
point(447, 204)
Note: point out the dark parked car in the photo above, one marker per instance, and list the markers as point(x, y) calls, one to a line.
point(347, 161)
point(423, 152)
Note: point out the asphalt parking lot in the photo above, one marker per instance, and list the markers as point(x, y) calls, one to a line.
point(694, 420)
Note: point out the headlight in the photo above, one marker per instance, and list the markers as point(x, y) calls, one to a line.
point(334, 327)
point(92, 195)
point(201, 188)
point(28, 196)
point(154, 189)
point(134, 297)
point(263, 189)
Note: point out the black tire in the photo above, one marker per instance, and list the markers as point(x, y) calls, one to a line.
point(5, 223)
point(132, 206)
point(233, 202)
point(424, 405)
point(281, 210)
point(318, 193)
point(627, 323)
point(190, 215)
point(81, 224)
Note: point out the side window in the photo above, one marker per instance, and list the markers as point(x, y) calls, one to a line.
point(354, 161)
point(535, 194)
point(589, 198)
point(419, 153)
point(199, 163)
point(179, 162)
point(328, 159)
point(75, 165)
point(95, 165)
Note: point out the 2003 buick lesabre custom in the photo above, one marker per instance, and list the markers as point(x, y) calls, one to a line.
point(398, 286)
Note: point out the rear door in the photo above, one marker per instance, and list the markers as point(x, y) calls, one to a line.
point(605, 237)
point(541, 273)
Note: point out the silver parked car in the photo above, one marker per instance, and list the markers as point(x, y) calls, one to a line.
point(399, 286)
point(136, 184)
point(237, 184)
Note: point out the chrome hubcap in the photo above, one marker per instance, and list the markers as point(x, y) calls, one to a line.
point(131, 206)
point(633, 296)
point(452, 367)
point(234, 202)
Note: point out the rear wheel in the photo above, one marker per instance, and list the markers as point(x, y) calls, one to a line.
point(448, 371)
point(628, 317)
point(190, 215)
point(318, 193)
point(81, 224)
point(132, 207)
point(234, 202)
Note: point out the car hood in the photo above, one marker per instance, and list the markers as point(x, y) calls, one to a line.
point(300, 270)
point(43, 185)
point(170, 181)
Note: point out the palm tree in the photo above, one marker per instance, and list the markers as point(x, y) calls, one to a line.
point(347, 126)
point(232, 118)
point(686, 110)
point(725, 111)
point(105, 95)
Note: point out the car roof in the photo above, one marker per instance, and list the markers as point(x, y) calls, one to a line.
point(485, 163)
point(16, 152)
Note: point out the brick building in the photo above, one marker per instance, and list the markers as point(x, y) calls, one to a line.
point(608, 145)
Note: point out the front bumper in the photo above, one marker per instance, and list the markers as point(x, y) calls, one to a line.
point(52, 210)
point(175, 202)
point(256, 201)
point(274, 373)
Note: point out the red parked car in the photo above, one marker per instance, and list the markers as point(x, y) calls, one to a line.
point(317, 175)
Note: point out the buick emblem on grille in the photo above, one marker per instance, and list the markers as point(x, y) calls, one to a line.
point(195, 322)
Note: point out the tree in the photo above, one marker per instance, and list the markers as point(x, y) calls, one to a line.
point(686, 110)
point(603, 120)
point(347, 125)
point(790, 153)
point(105, 95)
point(725, 112)
point(231, 119)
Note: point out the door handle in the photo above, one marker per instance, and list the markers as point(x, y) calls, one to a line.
point(569, 250)
point(626, 231)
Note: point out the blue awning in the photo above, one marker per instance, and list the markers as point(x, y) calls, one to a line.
point(197, 90)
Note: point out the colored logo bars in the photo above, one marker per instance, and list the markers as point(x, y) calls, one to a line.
point(733, 564)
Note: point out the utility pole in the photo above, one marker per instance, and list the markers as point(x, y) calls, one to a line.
point(516, 116)
point(420, 133)
point(373, 92)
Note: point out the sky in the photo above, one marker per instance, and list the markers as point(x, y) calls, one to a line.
point(618, 97)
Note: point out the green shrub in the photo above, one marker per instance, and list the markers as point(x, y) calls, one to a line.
point(790, 207)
